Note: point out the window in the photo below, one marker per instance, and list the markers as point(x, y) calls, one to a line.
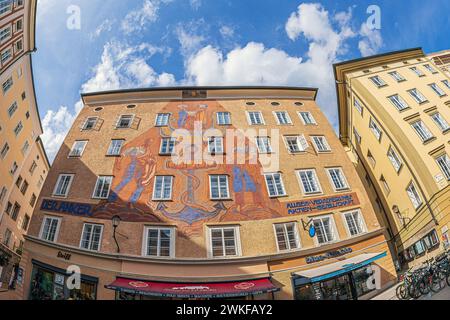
point(19, 181)
point(263, 144)
point(218, 187)
point(355, 223)
point(159, 242)
point(102, 187)
point(307, 118)
point(63, 185)
point(296, 144)
point(91, 237)
point(15, 212)
point(398, 102)
point(115, 147)
point(5, 34)
point(446, 83)
point(5, 6)
point(417, 71)
point(5, 56)
point(26, 222)
point(378, 81)
point(125, 121)
point(223, 118)
point(440, 121)
point(431, 240)
point(275, 185)
point(3, 194)
point(224, 242)
point(14, 168)
point(321, 144)
point(444, 163)
point(33, 167)
point(287, 236)
point(162, 119)
point(385, 185)
point(163, 188)
point(338, 179)
point(282, 117)
point(437, 89)
point(255, 118)
point(357, 135)
point(7, 85)
point(324, 229)
point(430, 68)
point(7, 239)
point(18, 128)
point(78, 148)
point(375, 129)
point(358, 106)
point(422, 130)
point(215, 145)
point(8, 208)
point(397, 76)
point(12, 109)
point(24, 187)
point(25, 147)
point(167, 146)
point(19, 25)
point(395, 159)
point(19, 45)
point(49, 229)
point(90, 123)
point(414, 195)
point(419, 97)
point(33, 200)
point(309, 181)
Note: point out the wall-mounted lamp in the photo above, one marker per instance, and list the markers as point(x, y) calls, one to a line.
point(399, 214)
point(115, 223)
point(309, 226)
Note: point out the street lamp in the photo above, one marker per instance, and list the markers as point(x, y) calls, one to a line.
point(115, 223)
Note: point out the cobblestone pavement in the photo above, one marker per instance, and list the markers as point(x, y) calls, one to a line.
point(389, 294)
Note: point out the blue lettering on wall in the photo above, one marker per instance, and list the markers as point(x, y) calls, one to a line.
point(78, 209)
point(308, 206)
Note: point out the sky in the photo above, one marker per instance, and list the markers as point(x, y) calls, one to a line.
point(97, 45)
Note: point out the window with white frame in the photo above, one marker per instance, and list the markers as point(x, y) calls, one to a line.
point(296, 144)
point(18, 128)
point(162, 119)
point(159, 242)
point(446, 83)
point(321, 144)
point(337, 178)
point(414, 195)
point(398, 102)
point(440, 121)
point(218, 187)
point(397, 76)
point(358, 106)
point(62, 186)
point(418, 96)
point(91, 237)
point(215, 145)
point(5, 56)
point(125, 121)
point(7, 85)
point(50, 228)
point(5, 34)
point(224, 242)
point(12, 109)
point(275, 185)
point(282, 117)
point(263, 144)
point(422, 130)
point(376, 130)
point(255, 118)
point(167, 146)
point(355, 222)
point(102, 187)
point(5, 6)
point(78, 148)
point(444, 163)
point(417, 71)
point(90, 123)
point(378, 81)
point(430, 68)
point(287, 236)
point(3, 194)
point(307, 118)
point(357, 135)
point(223, 118)
point(325, 231)
point(162, 189)
point(437, 90)
point(309, 182)
point(115, 147)
point(395, 159)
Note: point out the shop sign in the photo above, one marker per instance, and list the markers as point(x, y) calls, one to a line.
point(322, 204)
point(78, 209)
point(329, 255)
point(64, 255)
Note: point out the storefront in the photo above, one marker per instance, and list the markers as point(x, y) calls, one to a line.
point(344, 280)
point(49, 283)
point(130, 289)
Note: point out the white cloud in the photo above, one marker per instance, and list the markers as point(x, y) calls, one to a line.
point(190, 37)
point(195, 4)
point(226, 31)
point(105, 26)
point(372, 41)
point(137, 20)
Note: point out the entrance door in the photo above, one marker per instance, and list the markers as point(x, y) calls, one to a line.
point(337, 288)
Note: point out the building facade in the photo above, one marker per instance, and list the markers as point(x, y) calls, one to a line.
point(204, 193)
point(23, 162)
point(442, 60)
point(394, 113)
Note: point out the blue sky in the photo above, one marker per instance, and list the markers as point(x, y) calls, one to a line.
point(143, 43)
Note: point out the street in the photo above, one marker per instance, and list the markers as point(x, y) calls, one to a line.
point(389, 294)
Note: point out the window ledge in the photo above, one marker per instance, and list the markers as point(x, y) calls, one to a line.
point(429, 140)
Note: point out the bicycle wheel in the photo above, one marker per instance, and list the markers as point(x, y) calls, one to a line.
point(401, 292)
point(414, 291)
point(448, 279)
point(423, 285)
point(436, 284)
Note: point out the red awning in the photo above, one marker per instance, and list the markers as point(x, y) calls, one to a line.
point(194, 290)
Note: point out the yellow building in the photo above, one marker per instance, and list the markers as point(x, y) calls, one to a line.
point(278, 213)
point(442, 60)
point(23, 162)
point(394, 122)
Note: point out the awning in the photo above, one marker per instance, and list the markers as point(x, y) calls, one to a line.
point(338, 268)
point(193, 290)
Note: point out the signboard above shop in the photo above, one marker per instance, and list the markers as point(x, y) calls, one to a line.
point(322, 204)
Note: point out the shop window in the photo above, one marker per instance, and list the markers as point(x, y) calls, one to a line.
point(431, 240)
